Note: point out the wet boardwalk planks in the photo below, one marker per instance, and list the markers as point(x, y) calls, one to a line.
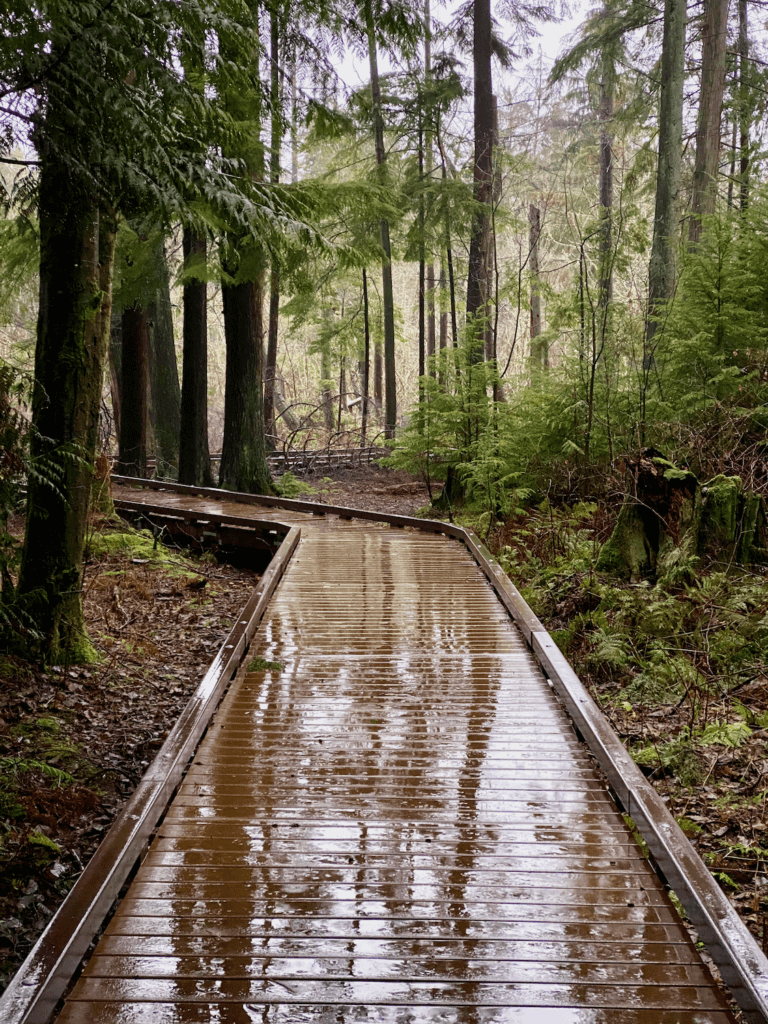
point(398, 825)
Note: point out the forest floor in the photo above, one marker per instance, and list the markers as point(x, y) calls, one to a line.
point(74, 741)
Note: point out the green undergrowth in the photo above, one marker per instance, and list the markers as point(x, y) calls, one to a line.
point(261, 665)
point(290, 486)
point(693, 643)
point(140, 546)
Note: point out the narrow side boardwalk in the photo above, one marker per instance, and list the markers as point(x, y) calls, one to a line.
point(398, 824)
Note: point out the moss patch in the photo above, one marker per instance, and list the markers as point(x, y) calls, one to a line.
point(261, 665)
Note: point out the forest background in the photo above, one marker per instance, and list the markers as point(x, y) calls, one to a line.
point(543, 286)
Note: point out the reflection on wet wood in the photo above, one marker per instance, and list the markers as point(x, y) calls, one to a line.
point(398, 825)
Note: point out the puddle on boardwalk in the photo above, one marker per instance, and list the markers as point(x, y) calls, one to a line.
point(396, 825)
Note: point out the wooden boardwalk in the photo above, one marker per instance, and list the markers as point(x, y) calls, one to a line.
point(397, 824)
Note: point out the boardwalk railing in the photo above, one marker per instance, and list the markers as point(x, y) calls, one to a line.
point(307, 461)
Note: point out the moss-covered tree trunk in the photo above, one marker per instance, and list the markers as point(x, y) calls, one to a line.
point(77, 242)
point(244, 464)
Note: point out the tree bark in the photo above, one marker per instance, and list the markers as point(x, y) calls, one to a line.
point(77, 242)
point(443, 305)
point(428, 167)
point(605, 286)
point(539, 351)
point(243, 452)
point(388, 301)
point(194, 456)
point(705, 172)
point(378, 378)
point(661, 271)
point(478, 298)
point(744, 112)
point(244, 464)
point(422, 270)
point(115, 359)
point(134, 391)
point(270, 367)
point(165, 391)
point(325, 374)
point(366, 360)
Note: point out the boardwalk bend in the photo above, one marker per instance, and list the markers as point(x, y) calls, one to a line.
point(388, 815)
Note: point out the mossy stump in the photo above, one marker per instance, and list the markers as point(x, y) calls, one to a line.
point(733, 525)
point(670, 519)
point(659, 518)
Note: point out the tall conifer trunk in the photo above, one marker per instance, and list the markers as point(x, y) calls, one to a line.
point(366, 374)
point(422, 270)
point(244, 464)
point(77, 242)
point(606, 189)
point(428, 166)
point(539, 351)
point(478, 298)
point(165, 391)
point(744, 120)
point(134, 391)
point(387, 295)
point(270, 368)
point(661, 271)
point(194, 456)
point(705, 172)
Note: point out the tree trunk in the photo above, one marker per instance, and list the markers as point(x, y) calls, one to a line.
point(378, 377)
point(539, 350)
point(705, 172)
point(244, 464)
point(342, 392)
point(194, 456)
point(134, 391)
point(428, 167)
point(115, 361)
point(76, 263)
point(661, 271)
point(388, 302)
point(478, 298)
point(744, 111)
point(605, 286)
point(443, 306)
point(294, 126)
point(325, 375)
point(165, 392)
point(243, 452)
point(270, 367)
point(366, 359)
point(422, 271)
